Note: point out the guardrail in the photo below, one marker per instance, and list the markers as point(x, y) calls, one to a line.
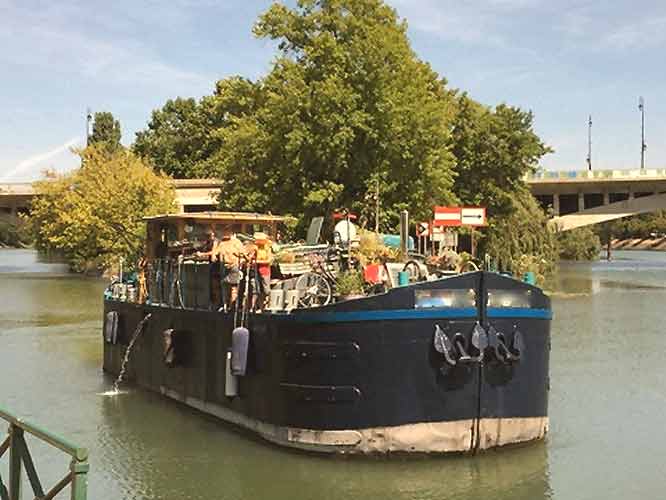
point(20, 458)
point(573, 175)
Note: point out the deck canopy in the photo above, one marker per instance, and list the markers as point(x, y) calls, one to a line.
point(177, 232)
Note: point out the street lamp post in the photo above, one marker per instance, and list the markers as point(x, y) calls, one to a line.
point(589, 144)
point(641, 108)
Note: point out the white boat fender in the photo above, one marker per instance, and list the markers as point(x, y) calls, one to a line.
point(111, 327)
point(230, 381)
point(240, 340)
point(169, 345)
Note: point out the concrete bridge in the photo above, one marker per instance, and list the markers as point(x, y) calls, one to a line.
point(576, 198)
point(192, 195)
point(583, 198)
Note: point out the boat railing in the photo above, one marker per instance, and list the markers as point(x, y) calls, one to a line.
point(20, 458)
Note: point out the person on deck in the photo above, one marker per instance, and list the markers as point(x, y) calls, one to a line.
point(210, 251)
point(264, 259)
point(230, 251)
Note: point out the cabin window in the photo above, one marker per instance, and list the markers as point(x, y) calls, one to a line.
point(509, 298)
point(460, 298)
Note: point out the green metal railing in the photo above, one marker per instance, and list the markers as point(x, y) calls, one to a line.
point(20, 458)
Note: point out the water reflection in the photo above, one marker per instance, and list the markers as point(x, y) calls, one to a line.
point(173, 457)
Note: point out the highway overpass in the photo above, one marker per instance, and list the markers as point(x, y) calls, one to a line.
point(575, 198)
point(192, 195)
point(581, 198)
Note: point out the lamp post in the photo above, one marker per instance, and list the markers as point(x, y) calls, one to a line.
point(88, 125)
point(641, 108)
point(589, 144)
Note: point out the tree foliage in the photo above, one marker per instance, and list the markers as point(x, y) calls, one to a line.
point(348, 111)
point(494, 149)
point(522, 240)
point(13, 233)
point(579, 244)
point(106, 131)
point(346, 104)
point(183, 136)
point(93, 215)
point(176, 138)
point(652, 225)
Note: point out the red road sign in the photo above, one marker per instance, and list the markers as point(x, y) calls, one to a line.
point(447, 216)
point(459, 216)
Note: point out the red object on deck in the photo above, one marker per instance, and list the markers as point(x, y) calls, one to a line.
point(342, 215)
point(374, 273)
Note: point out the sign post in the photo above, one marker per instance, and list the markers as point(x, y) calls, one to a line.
point(422, 233)
point(471, 217)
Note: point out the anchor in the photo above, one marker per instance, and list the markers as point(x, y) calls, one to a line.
point(479, 342)
point(504, 353)
point(460, 346)
point(444, 346)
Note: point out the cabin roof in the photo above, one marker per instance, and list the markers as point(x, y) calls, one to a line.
point(247, 217)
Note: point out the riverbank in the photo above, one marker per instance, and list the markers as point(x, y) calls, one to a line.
point(639, 244)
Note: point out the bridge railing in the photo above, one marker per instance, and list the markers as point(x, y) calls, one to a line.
point(581, 175)
point(20, 458)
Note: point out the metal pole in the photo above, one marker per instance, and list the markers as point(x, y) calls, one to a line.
point(88, 123)
point(589, 144)
point(16, 433)
point(641, 107)
point(79, 471)
point(404, 233)
point(377, 207)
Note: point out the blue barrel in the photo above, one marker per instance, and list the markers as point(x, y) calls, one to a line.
point(403, 278)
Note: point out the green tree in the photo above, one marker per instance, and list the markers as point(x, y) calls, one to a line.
point(178, 138)
point(93, 215)
point(184, 134)
point(579, 244)
point(494, 149)
point(346, 103)
point(105, 131)
point(522, 240)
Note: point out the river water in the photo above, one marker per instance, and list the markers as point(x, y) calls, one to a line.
point(607, 439)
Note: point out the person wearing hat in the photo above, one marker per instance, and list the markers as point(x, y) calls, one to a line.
point(264, 258)
point(230, 251)
point(211, 253)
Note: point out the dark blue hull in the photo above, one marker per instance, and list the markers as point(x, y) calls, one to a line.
point(454, 365)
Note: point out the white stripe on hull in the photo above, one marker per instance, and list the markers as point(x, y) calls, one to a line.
point(426, 437)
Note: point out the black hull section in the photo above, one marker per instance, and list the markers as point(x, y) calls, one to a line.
point(362, 375)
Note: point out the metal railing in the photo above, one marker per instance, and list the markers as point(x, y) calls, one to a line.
point(20, 458)
point(582, 175)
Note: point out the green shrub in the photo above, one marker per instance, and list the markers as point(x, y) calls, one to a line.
point(13, 234)
point(349, 283)
point(579, 244)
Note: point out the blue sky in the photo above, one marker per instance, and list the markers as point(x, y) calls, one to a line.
point(563, 60)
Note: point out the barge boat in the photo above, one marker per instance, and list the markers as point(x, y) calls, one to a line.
point(457, 364)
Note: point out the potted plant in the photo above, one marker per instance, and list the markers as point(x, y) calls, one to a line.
point(349, 285)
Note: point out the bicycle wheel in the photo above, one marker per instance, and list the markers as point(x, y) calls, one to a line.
point(314, 290)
